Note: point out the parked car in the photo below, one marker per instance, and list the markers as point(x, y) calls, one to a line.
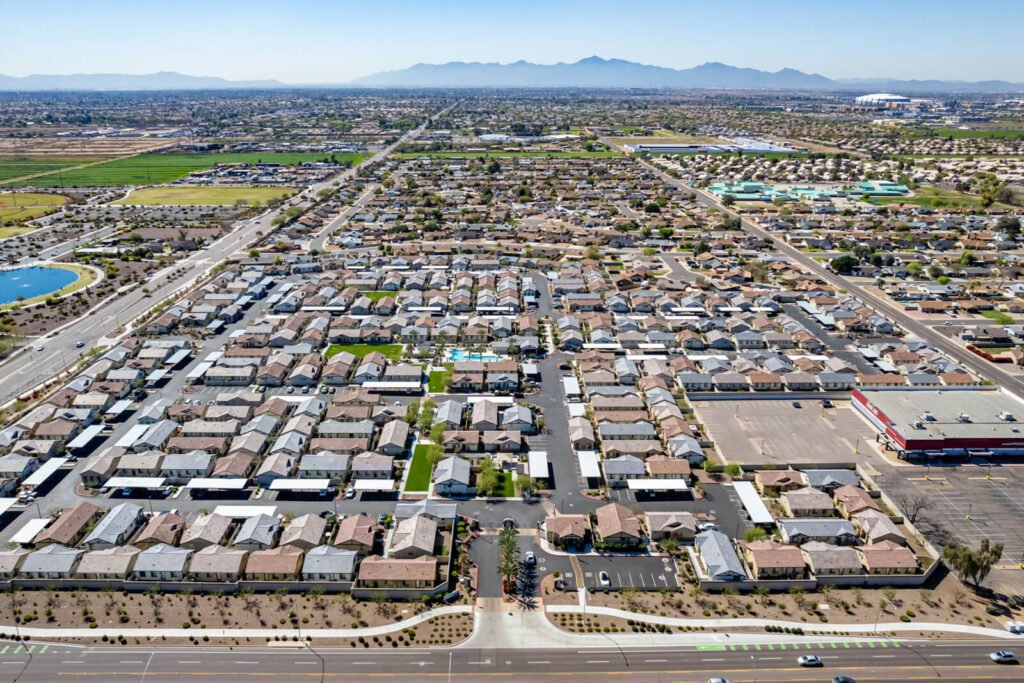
point(605, 580)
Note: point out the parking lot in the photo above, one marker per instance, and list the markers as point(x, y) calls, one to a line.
point(966, 503)
point(776, 432)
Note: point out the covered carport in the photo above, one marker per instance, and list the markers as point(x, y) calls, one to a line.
point(303, 488)
point(142, 487)
point(217, 487)
point(661, 488)
point(374, 489)
point(43, 478)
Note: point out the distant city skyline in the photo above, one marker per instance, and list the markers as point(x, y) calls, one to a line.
point(318, 41)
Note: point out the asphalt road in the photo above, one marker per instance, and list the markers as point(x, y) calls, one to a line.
point(957, 661)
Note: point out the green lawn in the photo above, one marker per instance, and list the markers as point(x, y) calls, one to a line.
point(440, 380)
point(933, 197)
point(997, 317)
point(503, 154)
point(506, 485)
point(16, 207)
point(377, 296)
point(420, 468)
point(174, 195)
point(393, 352)
point(154, 169)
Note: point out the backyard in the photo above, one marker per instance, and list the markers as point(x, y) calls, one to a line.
point(393, 352)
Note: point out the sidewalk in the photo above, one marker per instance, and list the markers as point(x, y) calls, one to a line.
point(836, 629)
point(38, 633)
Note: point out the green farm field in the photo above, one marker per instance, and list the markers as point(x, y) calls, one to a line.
point(171, 195)
point(154, 169)
point(957, 133)
point(18, 167)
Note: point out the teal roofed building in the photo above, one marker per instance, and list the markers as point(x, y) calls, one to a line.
point(878, 188)
point(749, 191)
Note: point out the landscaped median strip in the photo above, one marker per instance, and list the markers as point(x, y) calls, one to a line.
point(818, 629)
point(22, 631)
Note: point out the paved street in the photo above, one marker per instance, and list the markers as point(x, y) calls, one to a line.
point(866, 661)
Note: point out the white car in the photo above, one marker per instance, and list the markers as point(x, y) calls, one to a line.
point(810, 660)
point(1003, 657)
point(531, 559)
point(707, 526)
point(605, 580)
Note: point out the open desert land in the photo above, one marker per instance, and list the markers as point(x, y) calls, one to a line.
point(204, 196)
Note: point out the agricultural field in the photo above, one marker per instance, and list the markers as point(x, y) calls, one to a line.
point(17, 207)
point(155, 169)
point(19, 167)
point(171, 195)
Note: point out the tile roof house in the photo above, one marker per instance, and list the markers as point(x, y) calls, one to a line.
point(109, 564)
point(617, 526)
point(206, 530)
point(825, 559)
point(886, 557)
point(568, 531)
point(778, 481)
point(356, 533)
point(166, 528)
point(70, 527)
point(808, 502)
point(414, 537)
point(381, 572)
point(274, 564)
point(678, 526)
point(305, 532)
point(853, 499)
point(876, 526)
point(769, 559)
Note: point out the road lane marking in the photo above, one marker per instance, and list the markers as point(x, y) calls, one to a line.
point(597, 661)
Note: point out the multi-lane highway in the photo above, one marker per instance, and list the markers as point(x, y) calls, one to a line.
point(911, 661)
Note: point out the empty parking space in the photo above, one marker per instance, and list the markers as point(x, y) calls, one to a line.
point(966, 503)
point(775, 432)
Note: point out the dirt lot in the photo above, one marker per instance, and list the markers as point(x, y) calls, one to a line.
point(286, 612)
point(946, 602)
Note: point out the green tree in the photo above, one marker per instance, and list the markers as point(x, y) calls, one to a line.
point(844, 264)
point(973, 565)
point(754, 533)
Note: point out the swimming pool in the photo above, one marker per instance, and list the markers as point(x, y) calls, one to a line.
point(32, 281)
point(456, 355)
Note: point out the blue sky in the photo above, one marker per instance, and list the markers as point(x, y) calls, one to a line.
point(323, 41)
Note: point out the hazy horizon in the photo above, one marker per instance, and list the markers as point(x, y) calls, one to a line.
point(317, 41)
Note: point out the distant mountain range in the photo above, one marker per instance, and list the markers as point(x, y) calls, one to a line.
point(164, 80)
point(595, 72)
point(592, 72)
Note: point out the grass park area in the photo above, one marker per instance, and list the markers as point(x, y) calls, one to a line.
point(998, 317)
point(440, 379)
point(16, 207)
point(933, 197)
point(393, 352)
point(154, 169)
point(183, 195)
point(422, 466)
point(509, 155)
